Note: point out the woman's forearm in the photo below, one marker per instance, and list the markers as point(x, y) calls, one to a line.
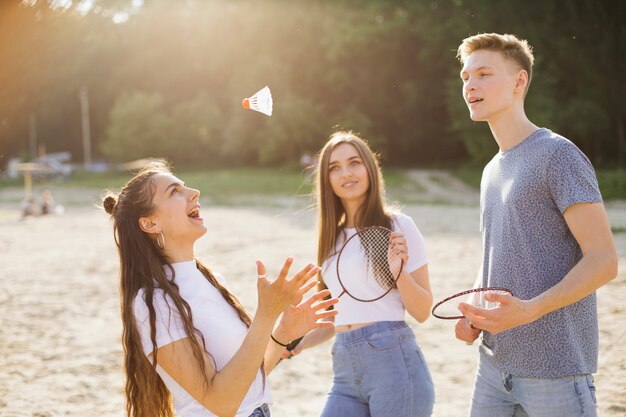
point(219, 391)
point(313, 338)
point(231, 384)
point(416, 299)
point(274, 351)
point(316, 337)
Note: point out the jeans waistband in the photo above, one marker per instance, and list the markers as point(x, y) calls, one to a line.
point(363, 332)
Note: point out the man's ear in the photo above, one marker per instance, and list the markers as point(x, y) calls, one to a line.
point(521, 82)
point(147, 225)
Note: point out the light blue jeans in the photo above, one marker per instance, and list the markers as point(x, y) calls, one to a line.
point(379, 371)
point(498, 394)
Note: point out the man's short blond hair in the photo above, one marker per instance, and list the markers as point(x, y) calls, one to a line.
point(510, 46)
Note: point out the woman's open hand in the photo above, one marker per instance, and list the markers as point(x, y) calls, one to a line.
point(275, 296)
point(308, 315)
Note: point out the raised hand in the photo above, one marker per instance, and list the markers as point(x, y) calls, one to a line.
point(308, 315)
point(275, 296)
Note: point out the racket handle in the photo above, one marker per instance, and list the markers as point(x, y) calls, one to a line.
point(291, 346)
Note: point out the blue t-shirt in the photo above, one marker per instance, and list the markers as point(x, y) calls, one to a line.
point(528, 248)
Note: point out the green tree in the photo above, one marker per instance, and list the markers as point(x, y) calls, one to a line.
point(196, 133)
point(139, 127)
point(385, 69)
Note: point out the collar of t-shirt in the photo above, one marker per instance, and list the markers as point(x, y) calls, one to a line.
point(187, 273)
point(183, 271)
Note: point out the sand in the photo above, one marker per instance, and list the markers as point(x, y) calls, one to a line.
point(60, 350)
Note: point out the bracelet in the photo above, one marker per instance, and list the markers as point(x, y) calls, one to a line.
point(277, 342)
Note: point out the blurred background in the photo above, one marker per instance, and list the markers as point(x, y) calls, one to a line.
point(95, 83)
point(91, 88)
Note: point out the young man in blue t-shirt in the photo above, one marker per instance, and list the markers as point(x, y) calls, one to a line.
point(546, 237)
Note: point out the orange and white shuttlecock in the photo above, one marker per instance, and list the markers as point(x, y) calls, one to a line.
point(261, 101)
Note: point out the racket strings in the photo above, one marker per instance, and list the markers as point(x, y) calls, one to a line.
point(376, 246)
point(478, 299)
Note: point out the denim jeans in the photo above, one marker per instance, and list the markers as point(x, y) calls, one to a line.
point(500, 394)
point(262, 411)
point(379, 371)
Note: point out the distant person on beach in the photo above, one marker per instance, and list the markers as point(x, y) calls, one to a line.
point(27, 207)
point(546, 238)
point(378, 367)
point(186, 338)
point(47, 202)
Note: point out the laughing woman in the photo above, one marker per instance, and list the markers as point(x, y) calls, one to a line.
point(187, 340)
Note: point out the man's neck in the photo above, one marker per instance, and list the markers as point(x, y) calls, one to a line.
point(510, 129)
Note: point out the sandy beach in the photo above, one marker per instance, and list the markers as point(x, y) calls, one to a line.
point(60, 350)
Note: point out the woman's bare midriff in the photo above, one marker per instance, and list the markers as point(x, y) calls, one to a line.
point(347, 327)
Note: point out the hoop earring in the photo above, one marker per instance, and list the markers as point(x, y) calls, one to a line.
point(160, 244)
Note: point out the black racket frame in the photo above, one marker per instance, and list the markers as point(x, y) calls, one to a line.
point(460, 294)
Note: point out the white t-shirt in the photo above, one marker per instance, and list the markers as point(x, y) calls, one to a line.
point(218, 322)
point(388, 308)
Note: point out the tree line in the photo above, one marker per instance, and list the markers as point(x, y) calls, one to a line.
point(166, 78)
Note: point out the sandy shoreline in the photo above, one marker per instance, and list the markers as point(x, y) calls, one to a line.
point(60, 352)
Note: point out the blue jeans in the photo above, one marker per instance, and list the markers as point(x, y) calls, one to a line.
point(379, 371)
point(499, 394)
point(262, 411)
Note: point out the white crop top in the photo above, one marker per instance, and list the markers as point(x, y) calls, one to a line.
point(218, 322)
point(390, 307)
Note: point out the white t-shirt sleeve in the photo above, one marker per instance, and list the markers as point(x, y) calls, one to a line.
point(220, 278)
point(415, 242)
point(168, 323)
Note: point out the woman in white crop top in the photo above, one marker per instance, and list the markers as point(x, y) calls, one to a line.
point(378, 367)
point(186, 338)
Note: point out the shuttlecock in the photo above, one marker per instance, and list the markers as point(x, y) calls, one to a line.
point(261, 101)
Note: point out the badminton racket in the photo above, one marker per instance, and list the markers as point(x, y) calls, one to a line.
point(447, 309)
point(367, 267)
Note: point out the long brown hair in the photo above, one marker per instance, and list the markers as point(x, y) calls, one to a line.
point(331, 215)
point(142, 266)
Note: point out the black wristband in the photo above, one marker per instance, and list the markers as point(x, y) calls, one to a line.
point(277, 342)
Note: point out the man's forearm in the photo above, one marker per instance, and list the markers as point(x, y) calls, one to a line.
point(592, 272)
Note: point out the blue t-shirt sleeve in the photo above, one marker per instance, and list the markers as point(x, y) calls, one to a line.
point(571, 177)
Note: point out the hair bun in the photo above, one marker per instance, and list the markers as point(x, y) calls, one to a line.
point(109, 203)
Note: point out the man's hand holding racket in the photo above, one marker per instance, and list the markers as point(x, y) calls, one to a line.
point(466, 332)
point(485, 308)
point(511, 312)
